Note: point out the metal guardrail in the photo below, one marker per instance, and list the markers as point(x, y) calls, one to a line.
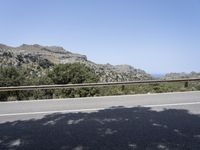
point(68, 86)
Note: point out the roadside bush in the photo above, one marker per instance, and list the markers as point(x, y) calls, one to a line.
point(72, 73)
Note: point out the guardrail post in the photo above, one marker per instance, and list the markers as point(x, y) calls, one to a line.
point(123, 87)
point(186, 84)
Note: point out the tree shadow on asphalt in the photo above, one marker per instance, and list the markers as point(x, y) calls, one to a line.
point(109, 129)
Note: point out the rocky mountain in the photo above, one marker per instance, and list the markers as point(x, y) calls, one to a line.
point(47, 56)
point(52, 53)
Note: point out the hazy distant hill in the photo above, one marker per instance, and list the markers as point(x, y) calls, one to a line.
point(47, 56)
point(181, 75)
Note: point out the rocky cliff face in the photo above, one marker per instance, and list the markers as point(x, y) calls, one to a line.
point(110, 73)
point(46, 56)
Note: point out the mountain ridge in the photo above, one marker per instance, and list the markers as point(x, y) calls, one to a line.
point(32, 54)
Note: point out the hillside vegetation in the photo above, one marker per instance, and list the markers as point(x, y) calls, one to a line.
point(59, 74)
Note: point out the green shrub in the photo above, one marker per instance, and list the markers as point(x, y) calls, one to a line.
point(72, 73)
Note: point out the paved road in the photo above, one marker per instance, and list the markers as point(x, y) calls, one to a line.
point(10, 111)
point(154, 121)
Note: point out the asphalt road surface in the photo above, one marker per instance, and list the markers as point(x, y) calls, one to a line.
point(151, 121)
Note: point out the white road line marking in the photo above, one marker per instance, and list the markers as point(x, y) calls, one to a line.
point(50, 112)
point(92, 109)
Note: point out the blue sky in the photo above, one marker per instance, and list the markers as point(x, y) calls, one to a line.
point(158, 36)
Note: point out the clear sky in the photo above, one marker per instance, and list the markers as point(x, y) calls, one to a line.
point(158, 36)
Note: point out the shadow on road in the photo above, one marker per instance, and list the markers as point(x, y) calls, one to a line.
point(110, 129)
